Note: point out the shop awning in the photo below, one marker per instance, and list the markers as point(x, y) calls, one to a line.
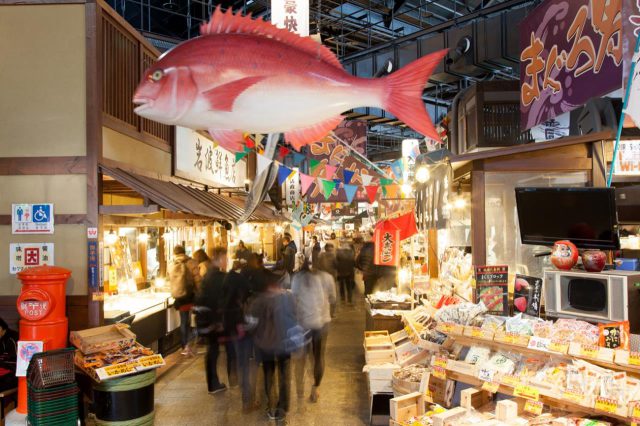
point(186, 199)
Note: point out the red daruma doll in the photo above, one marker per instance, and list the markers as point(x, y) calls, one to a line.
point(564, 255)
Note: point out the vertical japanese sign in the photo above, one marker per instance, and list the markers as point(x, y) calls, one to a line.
point(197, 159)
point(292, 188)
point(32, 218)
point(527, 295)
point(92, 264)
point(492, 288)
point(27, 255)
point(571, 51)
point(387, 246)
point(292, 15)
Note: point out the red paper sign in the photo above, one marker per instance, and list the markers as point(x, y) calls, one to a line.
point(387, 245)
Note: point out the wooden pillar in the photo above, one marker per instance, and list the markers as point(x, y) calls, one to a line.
point(162, 269)
point(94, 79)
point(478, 231)
point(143, 245)
point(210, 241)
point(432, 256)
point(599, 167)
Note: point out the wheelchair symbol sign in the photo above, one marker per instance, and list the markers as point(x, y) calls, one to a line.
point(32, 219)
point(41, 213)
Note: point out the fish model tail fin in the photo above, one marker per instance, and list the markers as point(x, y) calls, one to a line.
point(404, 93)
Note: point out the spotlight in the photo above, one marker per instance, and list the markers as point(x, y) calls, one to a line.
point(422, 174)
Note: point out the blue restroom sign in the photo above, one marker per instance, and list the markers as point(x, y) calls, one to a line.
point(32, 218)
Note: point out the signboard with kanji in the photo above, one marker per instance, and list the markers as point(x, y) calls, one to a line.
point(292, 15)
point(292, 188)
point(387, 246)
point(627, 163)
point(27, 255)
point(32, 218)
point(571, 51)
point(197, 159)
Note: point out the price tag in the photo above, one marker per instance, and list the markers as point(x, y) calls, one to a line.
point(511, 380)
point(589, 351)
point(526, 391)
point(573, 396)
point(539, 343)
point(486, 375)
point(533, 407)
point(151, 361)
point(440, 362)
point(448, 328)
point(635, 413)
point(558, 346)
point(634, 358)
point(439, 373)
point(490, 387)
point(477, 333)
point(607, 405)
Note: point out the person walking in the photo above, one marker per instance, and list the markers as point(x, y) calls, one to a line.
point(243, 252)
point(289, 255)
point(345, 267)
point(313, 301)
point(328, 260)
point(276, 335)
point(204, 262)
point(182, 280)
point(364, 262)
point(315, 249)
point(210, 318)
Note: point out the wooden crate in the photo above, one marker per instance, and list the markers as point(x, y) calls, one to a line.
point(448, 416)
point(380, 356)
point(474, 398)
point(404, 407)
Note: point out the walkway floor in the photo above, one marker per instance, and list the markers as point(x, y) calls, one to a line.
point(182, 398)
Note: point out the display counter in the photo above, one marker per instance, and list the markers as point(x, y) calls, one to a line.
point(149, 313)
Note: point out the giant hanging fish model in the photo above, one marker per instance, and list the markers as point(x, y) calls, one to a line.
point(245, 75)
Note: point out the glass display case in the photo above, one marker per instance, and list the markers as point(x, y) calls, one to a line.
point(503, 246)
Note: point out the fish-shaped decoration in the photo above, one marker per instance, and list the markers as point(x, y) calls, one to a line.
point(244, 75)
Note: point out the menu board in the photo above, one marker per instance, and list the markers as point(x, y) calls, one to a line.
point(527, 295)
point(492, 288)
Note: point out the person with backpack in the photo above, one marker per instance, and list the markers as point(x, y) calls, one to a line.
point(182, 274)
point(276, 334)
point(313, 301)
point(210, 320)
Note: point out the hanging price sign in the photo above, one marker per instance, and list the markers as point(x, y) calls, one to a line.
point(511, 380)
point(607, 405)
point(589, 351)
point(573, 396)
point(634, 358)
point(558, 346)
point(635, 413)
point(440, 362)
point(491, 386)
point(533, 407)
point(439, 373)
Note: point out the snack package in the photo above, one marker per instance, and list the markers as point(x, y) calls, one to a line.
point(543, 329)
point(553, 374)
point(502, 362)
point(477, 355)
point(462, 313)
point(613, 386)
point(614, 335)
point(493, 323)
point(569, 330)
point(528, 367)
point(520, 325)
point(576, 379)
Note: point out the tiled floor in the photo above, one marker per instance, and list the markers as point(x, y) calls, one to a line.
point(182, 399)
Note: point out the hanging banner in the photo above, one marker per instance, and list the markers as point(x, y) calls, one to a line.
point(330, 151)
point(387, 245)
point(292, 15)
point(292, 188)
point(571, 51)
point(197, 159)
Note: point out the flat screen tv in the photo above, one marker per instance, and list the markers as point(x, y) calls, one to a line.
point(585, 216)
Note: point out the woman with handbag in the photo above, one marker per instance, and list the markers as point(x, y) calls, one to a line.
point(182, 278)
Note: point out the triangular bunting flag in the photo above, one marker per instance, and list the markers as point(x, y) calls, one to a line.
point(240, 156)
point(366, 179)
point(337, 181)
point(284, 151)
point(247, 149)
point(305, 182)
point(350, 191)
point(327, 187)
point(298, 158)
point(329, 171)
point(396, 167)
point(249, 142)
point(347, 175)
point(372, 192)
point(313, 165)
point(263, 164)
point(386, 182)
point(391, 191)
point(283, 174)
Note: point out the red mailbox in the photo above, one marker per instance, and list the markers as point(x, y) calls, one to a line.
point(42, 307)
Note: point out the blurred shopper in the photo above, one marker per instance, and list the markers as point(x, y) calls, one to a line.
point(8, 356)
point(314, 314)
point(346, 269)
point(203, 261)
point(316, 249)
point(243, 252)
point(182, 279)
point(328, 260)
point(276, 335)
point(289, 254)
point(237, 289)
point(210, 318)
point(364, 262)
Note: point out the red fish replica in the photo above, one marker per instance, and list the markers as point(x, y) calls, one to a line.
point(244, 75)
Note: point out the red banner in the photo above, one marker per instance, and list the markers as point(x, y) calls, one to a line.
point(387, 244)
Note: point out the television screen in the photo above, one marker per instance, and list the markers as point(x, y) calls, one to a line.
point(587, 295)
point(584, 216)
point(628, 204)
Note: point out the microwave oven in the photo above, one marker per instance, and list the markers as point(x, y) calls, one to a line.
point(597, 297)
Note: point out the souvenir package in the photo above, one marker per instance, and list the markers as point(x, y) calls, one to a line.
point(503, 362)
point(462, 313)
point(410, 373)
point(553, 375)
point(493, 323)
point(543, 329)
point(568, 330)
point(528, 367)
point(519, 325)
point(477, 355)
point(614, 335)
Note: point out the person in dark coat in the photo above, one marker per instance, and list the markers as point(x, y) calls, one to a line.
point(346, 268)
point(209, 305)
point(364, 262)
point(289, 256)
point(315, 250)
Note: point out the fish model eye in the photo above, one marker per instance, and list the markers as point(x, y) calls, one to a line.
point(156, 75)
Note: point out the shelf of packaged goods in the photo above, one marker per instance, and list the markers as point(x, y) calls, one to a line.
point(547, 399)
point(465, 340)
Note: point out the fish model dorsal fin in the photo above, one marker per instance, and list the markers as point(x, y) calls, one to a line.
point(228, 22)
